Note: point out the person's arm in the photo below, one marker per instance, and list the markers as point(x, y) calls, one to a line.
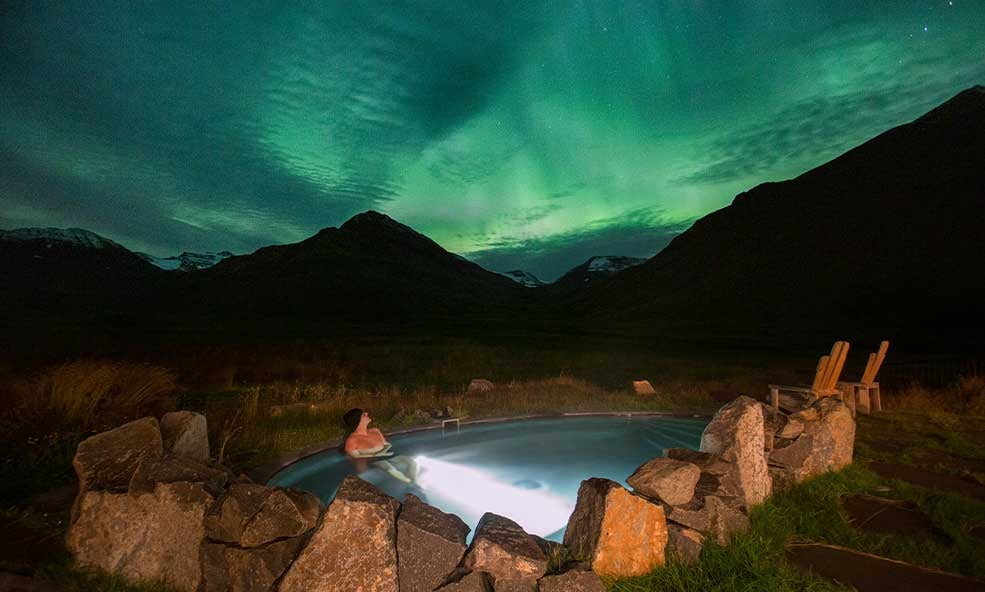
point(382, 437)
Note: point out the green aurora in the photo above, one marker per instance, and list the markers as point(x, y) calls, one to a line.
point(522, 134)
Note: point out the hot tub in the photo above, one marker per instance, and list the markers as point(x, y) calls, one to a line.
point(527, 470)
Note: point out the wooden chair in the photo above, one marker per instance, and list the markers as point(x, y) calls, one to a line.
point(825, 377)
point(864, 395)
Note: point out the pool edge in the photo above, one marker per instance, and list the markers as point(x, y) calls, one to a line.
point(267, 471)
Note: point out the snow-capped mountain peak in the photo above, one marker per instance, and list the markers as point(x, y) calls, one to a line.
point(612, 263)
point(524, 278)
point(187, 261)
point(73, 236)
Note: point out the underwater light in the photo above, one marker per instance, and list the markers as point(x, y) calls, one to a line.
point(473, 492)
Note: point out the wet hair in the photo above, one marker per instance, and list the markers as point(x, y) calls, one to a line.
point(351, 420)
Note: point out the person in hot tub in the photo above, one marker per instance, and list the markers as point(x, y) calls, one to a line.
point(363, 442)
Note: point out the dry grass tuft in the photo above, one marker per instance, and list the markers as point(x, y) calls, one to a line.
point(80, 391)
point(966, 397)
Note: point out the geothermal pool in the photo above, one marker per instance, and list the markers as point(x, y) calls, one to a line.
point(527, 470)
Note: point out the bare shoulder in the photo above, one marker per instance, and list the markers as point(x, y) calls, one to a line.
point(375, 431)
point(351, 443)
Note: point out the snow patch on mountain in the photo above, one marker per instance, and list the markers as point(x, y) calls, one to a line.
point(73, 236)
point(524, 278)
point(612, 264)
point(187, 261)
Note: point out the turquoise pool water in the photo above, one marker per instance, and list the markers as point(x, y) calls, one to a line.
point(527, 470)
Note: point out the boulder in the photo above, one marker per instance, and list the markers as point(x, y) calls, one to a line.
point(643, 387)
point(430, 544)
point(227, 520)
point(837, 423)
point(145, 537)
point(107, 461)
point(233, 569)
point(684, 542)
point(354, 547)
point(615, 532)
point(805, 415)
point(186, 434)
point(718, 477)
point(824, 445)
point(666, 479)
point(736, 433)
point(501, 548)
point(172, 469)
point(574, 580)
point(711, 516)
point(480, 385)
point(791, 429)
point(284, 514)
point(469, 581)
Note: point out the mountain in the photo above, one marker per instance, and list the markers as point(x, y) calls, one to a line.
point(524, 278)
point(371, 269)
point(55, 270)
point(187, 261)
point(891, 233)
point(594, 270)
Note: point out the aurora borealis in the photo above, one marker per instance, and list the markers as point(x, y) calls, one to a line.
point(522, 134)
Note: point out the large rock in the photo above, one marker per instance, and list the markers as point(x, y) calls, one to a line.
point(284, 514)
point(501, 548)
point(666, 479)
point(474, 581)
point(354, 547)
point(791, 429)
point(686, 543)
point(736, 433)
point(574, 580)
point(107, 461)
point(233, 569)
point(153, 470)
point(228, 518)
point(430, 544)
point(146, 537)
point(615, 532)
point(718, 477)
point(826, 444)
point(186, 434)
point(712, 516)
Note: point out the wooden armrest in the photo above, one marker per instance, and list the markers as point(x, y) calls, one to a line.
point(794, 389)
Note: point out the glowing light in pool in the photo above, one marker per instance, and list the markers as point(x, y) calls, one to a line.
point(471, 492)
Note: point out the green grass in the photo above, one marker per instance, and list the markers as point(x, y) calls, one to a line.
point(62, 576)
point(811, 512)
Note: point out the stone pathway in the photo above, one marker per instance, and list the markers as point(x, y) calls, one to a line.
point(868, 572)
point(879, 514)
point(930, 479)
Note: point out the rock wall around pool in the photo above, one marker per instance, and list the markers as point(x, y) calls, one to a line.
point(150, 507)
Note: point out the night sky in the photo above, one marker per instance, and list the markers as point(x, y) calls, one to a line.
point(522, 134)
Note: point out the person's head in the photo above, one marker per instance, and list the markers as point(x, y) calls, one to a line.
point(355, 419)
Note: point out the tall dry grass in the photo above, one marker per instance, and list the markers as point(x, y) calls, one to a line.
point(965, 397)
point(80, 392)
